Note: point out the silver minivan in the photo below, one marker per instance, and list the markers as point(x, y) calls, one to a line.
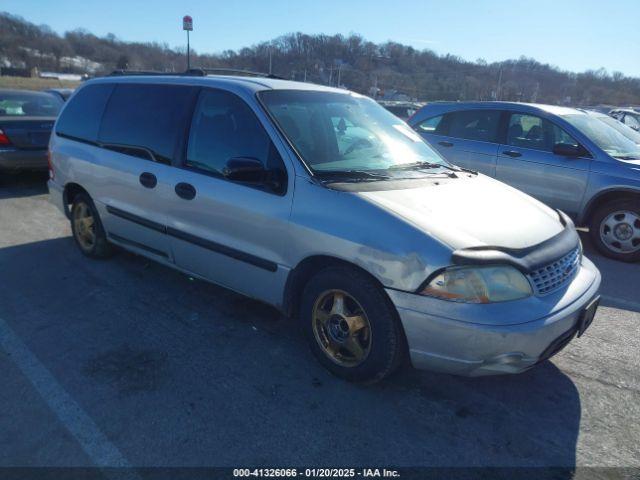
point(564, 157)
point(320, 202)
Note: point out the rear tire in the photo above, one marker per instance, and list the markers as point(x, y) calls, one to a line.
point(351, 325)
point(615, 229)
point(87, 229)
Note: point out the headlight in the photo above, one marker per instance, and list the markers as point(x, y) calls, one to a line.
point(479, 284)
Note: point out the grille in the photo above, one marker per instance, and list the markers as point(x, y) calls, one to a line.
point(557, 274)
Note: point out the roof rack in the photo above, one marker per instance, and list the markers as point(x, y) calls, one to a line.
point(196, 72)
point(145, 72)
point(230, 71)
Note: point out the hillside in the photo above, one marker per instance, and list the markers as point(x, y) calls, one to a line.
point(327, 59)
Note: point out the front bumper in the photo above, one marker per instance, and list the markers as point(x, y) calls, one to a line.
point(507, 337)
point(16, 159)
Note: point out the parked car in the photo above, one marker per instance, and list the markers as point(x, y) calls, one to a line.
point(384, 246)
point(400, 109)
point(628, 116)
point(628, 132)
point(26, 120)
point(564, 157)
point(63, 93)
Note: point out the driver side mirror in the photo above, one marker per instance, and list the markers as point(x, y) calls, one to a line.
point(567, 150)
point(251, 170)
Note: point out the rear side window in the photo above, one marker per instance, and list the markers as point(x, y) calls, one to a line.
point(81, 117)
point(224, 127)
point(480, 125)
point(146, 120)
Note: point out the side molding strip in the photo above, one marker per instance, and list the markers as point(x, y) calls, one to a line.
point(187, 237)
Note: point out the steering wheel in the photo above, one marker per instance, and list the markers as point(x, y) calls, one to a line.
point(360, 141)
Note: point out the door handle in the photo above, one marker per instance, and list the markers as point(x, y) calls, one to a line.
point(148, 180)
point(185, 190)
point(512, 153)
point(445, 144)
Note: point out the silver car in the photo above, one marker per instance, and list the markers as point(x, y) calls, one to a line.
point(564, 157)
point(320, 202)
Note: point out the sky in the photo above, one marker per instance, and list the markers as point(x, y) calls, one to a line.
point(574, 35)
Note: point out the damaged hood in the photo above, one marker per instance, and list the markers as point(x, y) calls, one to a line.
point(471, 212)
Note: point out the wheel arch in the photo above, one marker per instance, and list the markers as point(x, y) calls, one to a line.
point(606, 196)
point(305, 270)
point(70, 191)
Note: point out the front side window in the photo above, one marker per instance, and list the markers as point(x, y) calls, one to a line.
point(224, 128)
point(479, 125)
point(146, 120)
point(29, 104)
point(531, 131)
point(345, 132)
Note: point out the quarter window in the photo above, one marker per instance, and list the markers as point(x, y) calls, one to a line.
point(81, 117)
point(480, 125)
point(431, 125)
point(146, 120)
point(224, 127)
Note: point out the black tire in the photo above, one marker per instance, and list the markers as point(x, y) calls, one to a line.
point(601, 214)
point(387, 347)
point(100, 247)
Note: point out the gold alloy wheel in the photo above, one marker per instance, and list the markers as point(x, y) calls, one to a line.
point(341, 328)
point(84, 226)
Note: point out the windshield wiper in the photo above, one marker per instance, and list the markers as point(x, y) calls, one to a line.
point(430, 165)
point(350, 175)
point(627, 157)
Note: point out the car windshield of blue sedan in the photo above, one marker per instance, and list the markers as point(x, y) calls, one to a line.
point(345, 132)
point(607, 138)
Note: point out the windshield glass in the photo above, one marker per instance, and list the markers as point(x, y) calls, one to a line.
point(628, 132)
point(607, 138)
point(25, 104)
point(343, 132)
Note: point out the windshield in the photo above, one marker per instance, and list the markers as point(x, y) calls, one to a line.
point(607, 138)
point(342, 132)
point(26, 104)
point(628, 132)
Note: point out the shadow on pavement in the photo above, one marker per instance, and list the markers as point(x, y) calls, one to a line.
point(180, 372)
point(26, 184)
point(619, 294)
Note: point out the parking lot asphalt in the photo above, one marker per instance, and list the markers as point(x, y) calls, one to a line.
point(126, 362)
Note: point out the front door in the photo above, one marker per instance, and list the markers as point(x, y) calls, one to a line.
point(526, 161)
point(230, 232)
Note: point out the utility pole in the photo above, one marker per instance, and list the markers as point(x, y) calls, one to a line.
point(499, 90)
point(270, 64)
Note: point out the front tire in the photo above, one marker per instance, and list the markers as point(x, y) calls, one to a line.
point(87, 229)
point(351, 325)
point(615, 230)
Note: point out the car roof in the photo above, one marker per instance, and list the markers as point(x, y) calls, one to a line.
point(250, 84)
point(438, 108)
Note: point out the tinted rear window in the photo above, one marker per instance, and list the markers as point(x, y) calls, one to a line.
point(480, 125)
point(147, 116)
point(81, 117)
point(28, 104)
